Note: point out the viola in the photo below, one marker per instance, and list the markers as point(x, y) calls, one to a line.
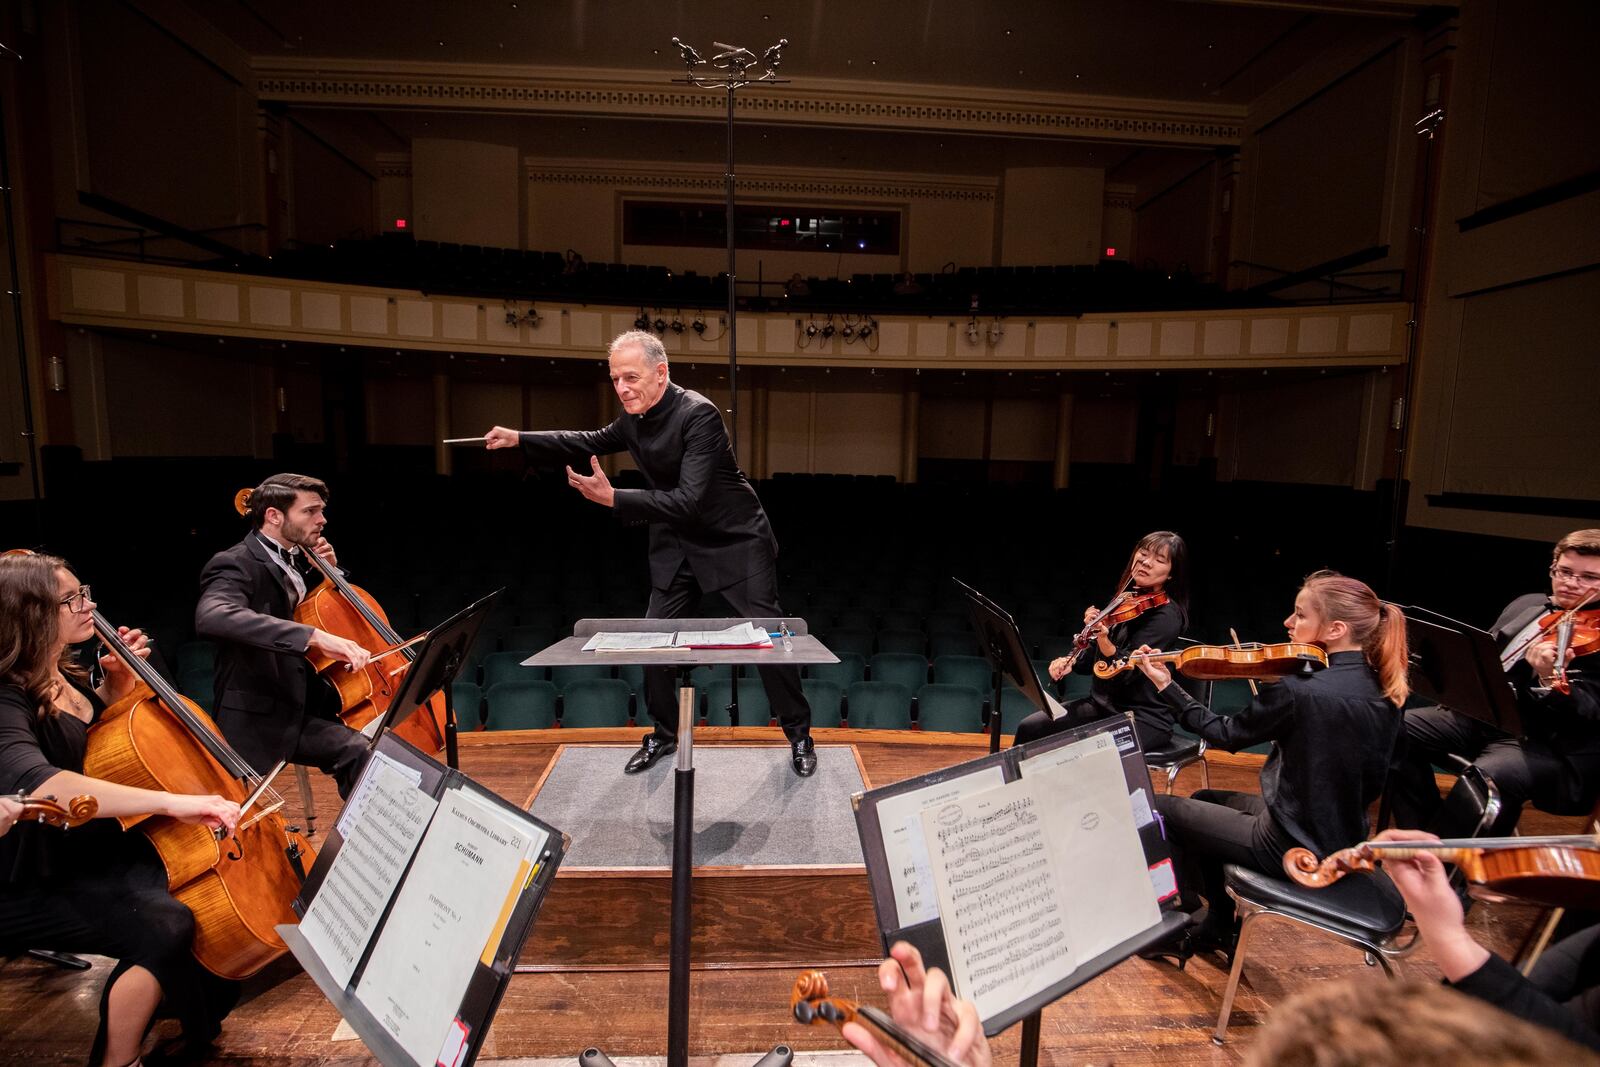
point(76, 812)
point(1216, 662)
point(1124, 607)
point(1559, 871)
point(813, 1005)
point(336, 606)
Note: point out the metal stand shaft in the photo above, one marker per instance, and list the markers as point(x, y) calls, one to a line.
point(682, 885)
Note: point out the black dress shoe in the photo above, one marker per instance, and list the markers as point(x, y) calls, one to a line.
point(803, 755)
point(649, 752)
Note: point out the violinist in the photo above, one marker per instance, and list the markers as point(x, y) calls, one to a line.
point(266, 704)
point(1333, 732)
point(1561, 992)
point(923, 1007)
point(1156, 581)
point(96, 889)
point(1557, 764)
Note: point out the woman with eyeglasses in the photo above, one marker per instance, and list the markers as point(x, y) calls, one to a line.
point(1556, 763)
point(94, 889)
point(1332, 734)
point(1155, 582)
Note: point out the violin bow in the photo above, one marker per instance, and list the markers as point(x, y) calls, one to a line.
point(1255, 690)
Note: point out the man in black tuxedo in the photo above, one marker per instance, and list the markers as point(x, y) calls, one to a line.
point(1556, 764)
point(266, 704)
point(708, 532)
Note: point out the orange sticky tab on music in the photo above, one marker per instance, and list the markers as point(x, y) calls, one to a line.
point(487, 959)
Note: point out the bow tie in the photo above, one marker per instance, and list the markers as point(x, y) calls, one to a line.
point(291, 556)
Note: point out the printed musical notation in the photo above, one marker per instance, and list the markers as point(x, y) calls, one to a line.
point(906, 848)
point(1036, 876)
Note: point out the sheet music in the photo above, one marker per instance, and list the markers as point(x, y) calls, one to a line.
point(1005, 923)
point(381, 826)
point(471, 857)
point(1102, 871)
point(905, 847)
point(742, 635)
point(628, 642)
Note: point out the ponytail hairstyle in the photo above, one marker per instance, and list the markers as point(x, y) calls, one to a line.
point(1379, 627)
point(1169, 544)
point(30, 627)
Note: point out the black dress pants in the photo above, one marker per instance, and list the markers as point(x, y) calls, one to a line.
point(1210, 829)
point(1524, 769)
point(755, 597)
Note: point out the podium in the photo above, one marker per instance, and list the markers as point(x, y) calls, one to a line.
point(803, 649)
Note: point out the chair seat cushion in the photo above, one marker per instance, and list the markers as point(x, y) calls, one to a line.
point(1174, 750)
point(1362, 905)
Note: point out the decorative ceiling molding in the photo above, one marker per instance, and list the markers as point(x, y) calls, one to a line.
point(809, 102)
point(757, 181)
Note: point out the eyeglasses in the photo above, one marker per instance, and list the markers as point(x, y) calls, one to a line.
point(78, 603)
point(1566, 574)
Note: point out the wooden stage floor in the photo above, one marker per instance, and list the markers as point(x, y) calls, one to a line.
point(1139, 1013)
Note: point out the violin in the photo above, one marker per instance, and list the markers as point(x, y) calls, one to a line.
point(1576, 629)
point(45, 810)
point(1216, 662)
point(814, 1005)
point(1557, 871)
point(338, 607)
point(1125, 606)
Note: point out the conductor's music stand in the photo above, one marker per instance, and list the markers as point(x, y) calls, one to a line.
point(441, 657)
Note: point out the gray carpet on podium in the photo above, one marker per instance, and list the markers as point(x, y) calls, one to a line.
point(749, 807)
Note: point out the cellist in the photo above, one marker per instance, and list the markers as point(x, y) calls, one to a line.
point(96, 889)
point(266, 705)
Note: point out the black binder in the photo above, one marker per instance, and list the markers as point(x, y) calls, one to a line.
point(481, 996)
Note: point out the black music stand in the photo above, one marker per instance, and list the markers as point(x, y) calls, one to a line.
point(1001, 644)
point(437, 663)
point(1458, 667)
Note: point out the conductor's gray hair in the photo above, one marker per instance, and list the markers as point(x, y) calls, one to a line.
point(648, 343)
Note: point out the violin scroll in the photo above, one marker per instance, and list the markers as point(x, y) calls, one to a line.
point(812, 1003)
point(1303, 867)
point(75, 812)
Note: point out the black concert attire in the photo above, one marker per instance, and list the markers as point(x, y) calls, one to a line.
point(96, 888)
point(1129, 691)
point(1556, 764)
point(1333, 733)
point(708, 531)
point(266, 703)
point(1561, 993)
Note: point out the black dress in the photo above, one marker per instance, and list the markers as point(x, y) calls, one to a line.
point(1129, 691)
point(96, 888)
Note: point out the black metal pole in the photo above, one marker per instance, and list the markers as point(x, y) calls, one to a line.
point(451, 755)
point(1029, 1056)
point(733, 303)
point(682, 887)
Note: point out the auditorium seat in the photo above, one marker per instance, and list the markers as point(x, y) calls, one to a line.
point(507, 667)
point(824, 697)
point(1014, 707)
point(595, 702)
point(565, 676)
point(466, 700)
point(906, 669)
point(952, 708)
point(952, 644)
point(841, 641)
point(878, 706)
point(527, 705)
point(973, 671)
point(914, 642)
point(754, 709)
point(850, 669)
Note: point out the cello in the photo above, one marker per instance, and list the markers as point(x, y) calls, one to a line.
point(238, 888)
point(338, 607)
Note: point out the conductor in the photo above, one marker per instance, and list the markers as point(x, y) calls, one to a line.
point(708, 532)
